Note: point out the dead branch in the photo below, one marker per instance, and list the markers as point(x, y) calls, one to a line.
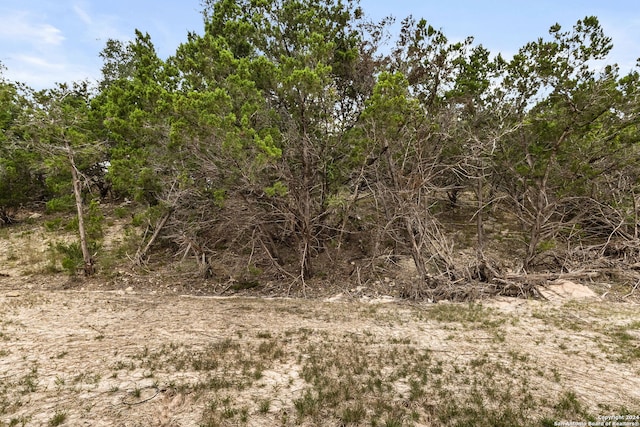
point(141, 254)
point(541, 277)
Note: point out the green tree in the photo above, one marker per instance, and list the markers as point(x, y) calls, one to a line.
point(560, 105)
point(307, 60)
point(136, 107)
point(405, 168)
point(58, 126)
point(408, 131)
point(222, 120)
point(21, 178)
point(477, 103)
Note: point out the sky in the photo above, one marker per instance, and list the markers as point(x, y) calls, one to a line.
point(43, 42)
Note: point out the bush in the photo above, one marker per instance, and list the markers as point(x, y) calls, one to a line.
point(72, 259)
point(61, 204)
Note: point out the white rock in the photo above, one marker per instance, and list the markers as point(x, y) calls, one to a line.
point(565, 289)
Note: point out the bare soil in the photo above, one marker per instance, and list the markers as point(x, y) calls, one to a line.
point(130, 349)
point(128, 358)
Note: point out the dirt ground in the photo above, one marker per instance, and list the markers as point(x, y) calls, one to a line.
point(155, 350)
point(89, 357)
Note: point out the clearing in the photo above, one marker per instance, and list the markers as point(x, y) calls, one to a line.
point(137, 357)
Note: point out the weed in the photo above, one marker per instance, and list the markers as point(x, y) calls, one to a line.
point(264, 406)
point(60, 382)
point(569, 407)
point(472, 313)
point(58, 418)
point(353, 414)
point(307, 405)
point(626, 346)
point(20, 421)
point(271, 350)
point(11, 254)
point(121, 212)
point(29, 382)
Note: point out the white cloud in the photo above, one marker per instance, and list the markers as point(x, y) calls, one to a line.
point(82, 14)
point(19, 26)
point(96, 26)
point(38, 61)
point(35, 50)
point(42, 72)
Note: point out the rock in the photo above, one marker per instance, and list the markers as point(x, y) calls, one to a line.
point(562, 289)
point(335, 298)
point(382, 299)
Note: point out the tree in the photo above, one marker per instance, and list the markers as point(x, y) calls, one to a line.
point(21, 179)
point(407, 131)
point(306, 59)
point(561, 105)
point(477, 103)
point(58, 125)
point(136, 106)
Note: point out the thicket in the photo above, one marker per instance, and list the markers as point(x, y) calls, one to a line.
point(295, 139)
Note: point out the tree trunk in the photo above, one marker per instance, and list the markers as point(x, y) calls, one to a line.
point(89, 268)
point(306, 210)
point(306, 237)
point(415, 239)
point(480, 217)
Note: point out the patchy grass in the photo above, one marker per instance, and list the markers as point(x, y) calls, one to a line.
point(58, 418)
point(208, 362)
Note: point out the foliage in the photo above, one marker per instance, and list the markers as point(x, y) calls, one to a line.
point(21, 179)
point(569, 118)
point(288, 131)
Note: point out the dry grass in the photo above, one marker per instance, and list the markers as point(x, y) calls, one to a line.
point(107, 358)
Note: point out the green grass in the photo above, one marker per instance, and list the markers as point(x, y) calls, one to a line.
point(58, 418)
point(468, 314)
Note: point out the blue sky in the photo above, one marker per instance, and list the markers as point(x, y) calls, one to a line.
point(48, 41)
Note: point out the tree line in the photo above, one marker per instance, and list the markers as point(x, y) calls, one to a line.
point(292, 132)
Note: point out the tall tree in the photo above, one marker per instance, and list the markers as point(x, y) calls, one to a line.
point(477, 103)
point(410, 124)
point(21, 178)
point(560, 102)
point(307, 61)
point(59, 126)
point(136, 105)
point(223, 120)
